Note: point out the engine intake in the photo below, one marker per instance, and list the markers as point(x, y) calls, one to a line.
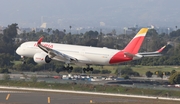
point(41, 58)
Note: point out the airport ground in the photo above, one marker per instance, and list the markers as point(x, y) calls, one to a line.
point(139, 86)
point(65, 98)
point(31, 97)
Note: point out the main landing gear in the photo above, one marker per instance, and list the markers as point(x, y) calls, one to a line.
point(87, 69)
point(68, 68)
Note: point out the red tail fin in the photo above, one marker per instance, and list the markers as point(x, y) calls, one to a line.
point(135, 44)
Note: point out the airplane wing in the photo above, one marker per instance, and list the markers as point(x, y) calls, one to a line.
point(159, 52)
point(55, 54)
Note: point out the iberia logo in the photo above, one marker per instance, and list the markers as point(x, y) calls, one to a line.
point(45, 44)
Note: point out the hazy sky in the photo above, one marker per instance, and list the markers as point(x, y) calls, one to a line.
point(79, 13)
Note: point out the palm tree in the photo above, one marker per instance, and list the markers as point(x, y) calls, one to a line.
point(49, 30)
point(64, 31)
point(70, 28)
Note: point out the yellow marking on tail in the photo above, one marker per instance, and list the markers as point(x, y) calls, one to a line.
point(142, 31)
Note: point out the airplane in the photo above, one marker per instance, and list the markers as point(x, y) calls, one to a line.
point(44, 52)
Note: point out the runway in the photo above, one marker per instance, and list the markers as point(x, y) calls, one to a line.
point(23, 97)
point(12, 96)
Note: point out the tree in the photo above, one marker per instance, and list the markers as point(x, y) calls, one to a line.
point(173, 71)
point(174, 78)
point(7, 39)
point(77, 70)
point(95, 71)
point(149, 74)
point(49, 30)
point(11, 31)
point(70, 29)
point(64, 31)
point(127, 71)
point(91, 34)
point(58, 70)
point(105, 72)
point(5, 59)
point(4, 70)
point(125, 77)
point(167, 73)
point(159, 74)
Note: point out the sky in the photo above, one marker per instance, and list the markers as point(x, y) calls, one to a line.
point(90, 13)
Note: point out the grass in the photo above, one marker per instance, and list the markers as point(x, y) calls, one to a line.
point(17, 62)
point(92, 88)
point(140, 69)
point(143, 69)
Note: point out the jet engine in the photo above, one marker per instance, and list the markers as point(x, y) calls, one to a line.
point(41, 58)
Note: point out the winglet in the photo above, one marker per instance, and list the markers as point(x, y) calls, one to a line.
point(165, 48)
point(161, 49)
point(40, 40)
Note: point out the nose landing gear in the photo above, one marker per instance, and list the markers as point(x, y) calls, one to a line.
point(23, 60)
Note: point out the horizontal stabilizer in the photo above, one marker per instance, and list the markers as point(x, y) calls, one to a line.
point(159, 52)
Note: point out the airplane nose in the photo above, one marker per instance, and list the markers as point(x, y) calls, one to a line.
point(18, 51)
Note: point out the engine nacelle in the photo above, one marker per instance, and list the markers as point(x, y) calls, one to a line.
point(41, 58)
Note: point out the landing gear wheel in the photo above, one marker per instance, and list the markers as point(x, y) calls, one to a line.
point(23, 62)
point(68, 68)
point(87, 69)
point(84, 70)
point(91, 69)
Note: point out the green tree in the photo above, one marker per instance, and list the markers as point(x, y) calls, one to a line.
point(58, 70)
point(125, 77)
point(5, 59)
point(128, 71)
point(95, 71)
point(159, 74)
point(49, 30)
point(173, 71)
point(174, 78)
point(77, 70)
point(10, 32)
point(167, 73)
point(70, 29)
point(4, 70)
point(105, 72)
point(149, 74)
point(7, 40)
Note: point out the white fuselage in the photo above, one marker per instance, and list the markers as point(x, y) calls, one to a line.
point(84, 54)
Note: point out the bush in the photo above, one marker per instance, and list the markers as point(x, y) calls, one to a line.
point(4, 70)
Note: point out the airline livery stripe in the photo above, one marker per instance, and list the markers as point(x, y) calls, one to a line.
point(140, 35)
point(142, 31)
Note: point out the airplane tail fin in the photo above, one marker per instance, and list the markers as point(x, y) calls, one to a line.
point(135, 44)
